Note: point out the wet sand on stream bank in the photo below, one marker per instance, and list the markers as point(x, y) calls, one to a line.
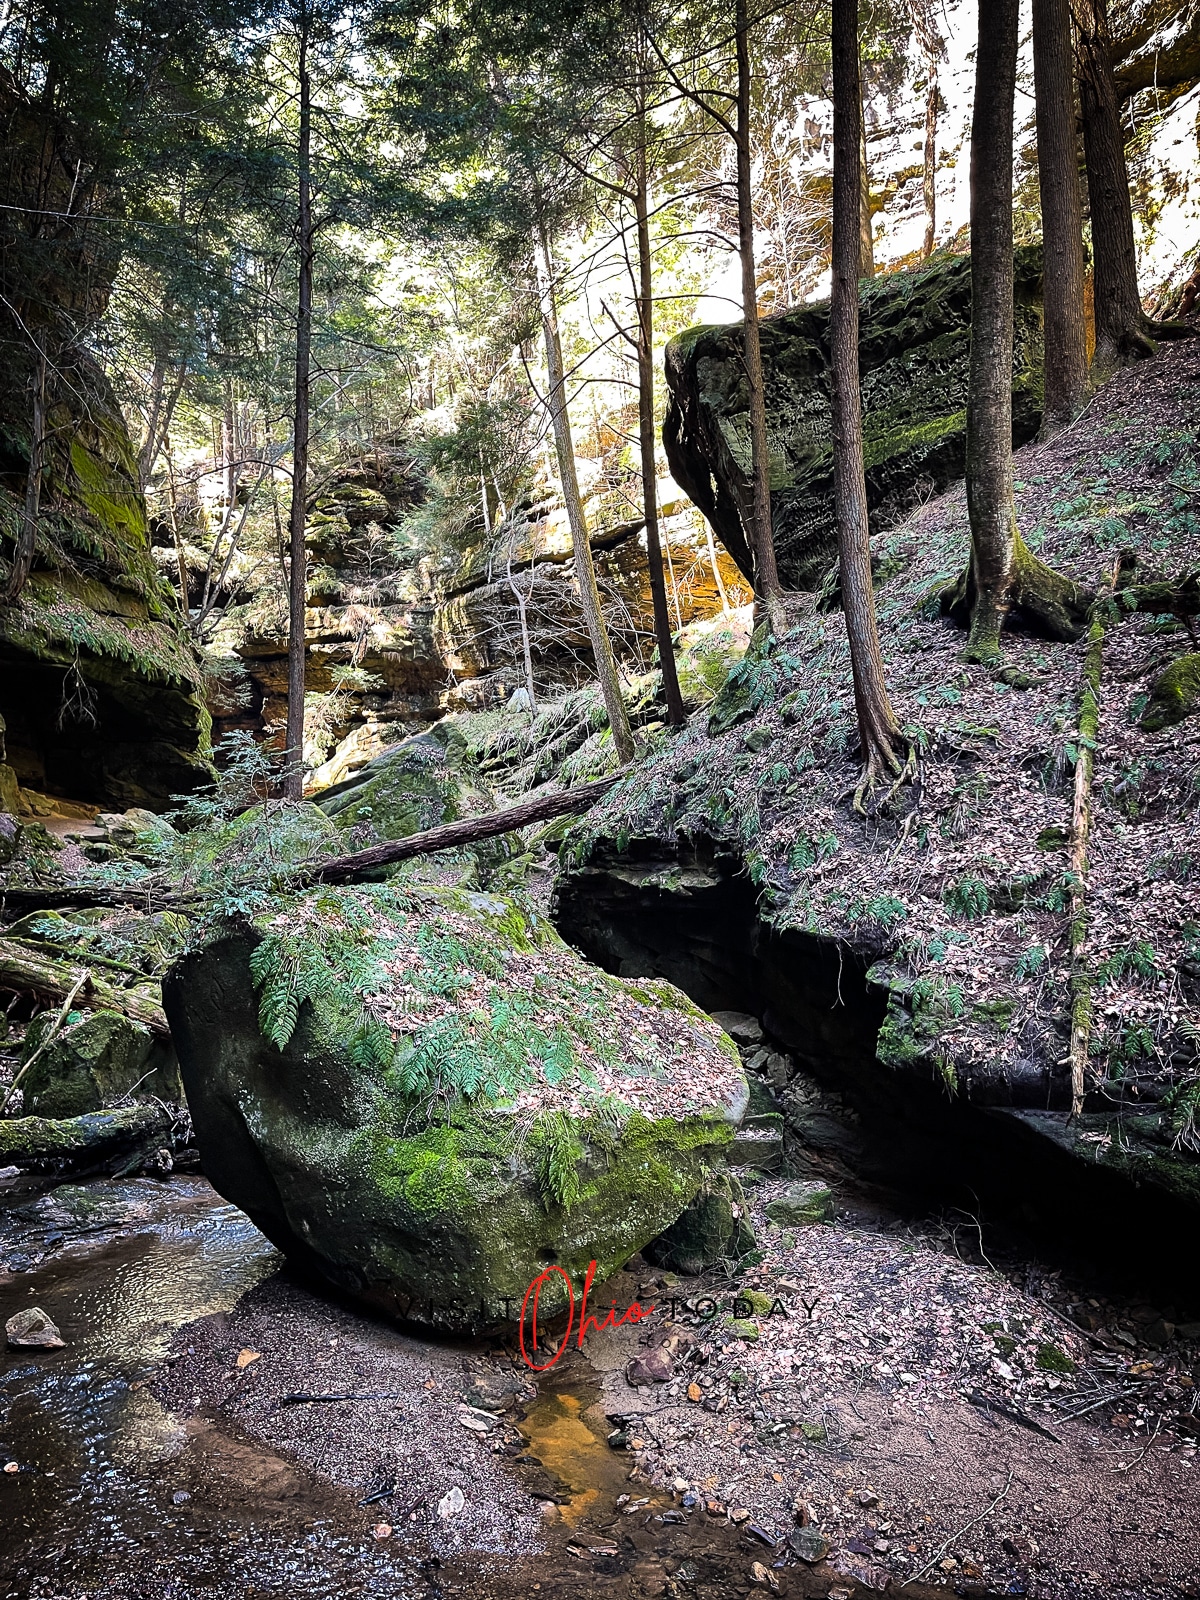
point(185, 1442)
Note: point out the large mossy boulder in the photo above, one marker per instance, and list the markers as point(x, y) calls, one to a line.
point(1174, 695)
point(416, 785)
point(913, 357)
point(425, 1097)
point(95, 1060)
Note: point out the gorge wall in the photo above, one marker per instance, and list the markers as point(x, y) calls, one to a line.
point(100, 694)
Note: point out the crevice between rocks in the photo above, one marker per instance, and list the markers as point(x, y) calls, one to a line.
point(693, 919)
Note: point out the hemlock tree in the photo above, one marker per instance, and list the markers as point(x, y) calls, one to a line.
point(766, 573)
point(99, 93)
point(645, 354)
point(724, 92)
point(610, 138)
point(293, 752)
point(1002, 573)
point(1121, 325)
point(1124, 333)
point(1066, 363)
point(585, 569)
point(877, 726)
point(476, 79)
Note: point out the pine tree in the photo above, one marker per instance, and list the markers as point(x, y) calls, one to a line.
point(1124, 333)
point(1066, 375)
point(1003, 573)
point(877, 726)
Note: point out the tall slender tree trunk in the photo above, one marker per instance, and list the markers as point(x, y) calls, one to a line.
point(716, 567)
point(293, 785)
point(645, 355)
point(989, 395)
point(1122, 328)
point(159, 426)
point(931, 43)
point(766, 574)
point(929, 175)
point(173, 513)
point(866, 233)
point(564, 445)
point(1003, 573)
point(229, 450)
point(158, 380)
point(877, 724)
point(522, 600)
point(1066, 375)
point(22, 563)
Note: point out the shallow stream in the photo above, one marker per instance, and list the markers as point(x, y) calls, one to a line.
point(94, 1507)
point(117, 1495)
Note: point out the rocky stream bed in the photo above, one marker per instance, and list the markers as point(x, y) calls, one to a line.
point(871, 1405)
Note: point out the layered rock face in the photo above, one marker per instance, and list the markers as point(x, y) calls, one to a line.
point(370, 609)
point(99, 691)
point(430, 1100)
point(397, 637)
point(913, 356)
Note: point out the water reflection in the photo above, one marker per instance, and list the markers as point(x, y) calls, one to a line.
point(97, 1508)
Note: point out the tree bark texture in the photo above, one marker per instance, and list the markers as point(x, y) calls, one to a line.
point(646, 430)
point(989, 396)
point(1066, 364)
point(585, 570)
point(1003, 573)
point(866, 233)
point(456, 835)
point(293, 784)
point(22, 563)
point(1121, 324)
point(877, 725)
point(766, 575)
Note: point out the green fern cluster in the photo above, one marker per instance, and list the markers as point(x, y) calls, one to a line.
point(330, 965)
point(559, 1149)
point(489, 1051)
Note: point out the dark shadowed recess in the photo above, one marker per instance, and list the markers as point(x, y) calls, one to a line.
point(923, 1146)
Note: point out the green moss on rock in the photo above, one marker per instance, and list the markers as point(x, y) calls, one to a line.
point(97, 1059)
point(713, 1229)
point(801, 1205)
point(425, 1096)
point(914, 353)
point(1175, 694)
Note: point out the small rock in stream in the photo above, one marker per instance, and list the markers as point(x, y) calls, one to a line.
point(451, 1503)
point(33, 1330)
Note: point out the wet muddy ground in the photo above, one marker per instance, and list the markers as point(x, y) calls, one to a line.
point(214, 1428)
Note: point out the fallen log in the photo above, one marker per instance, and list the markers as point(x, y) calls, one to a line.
point(454, 835)
point(1160, 598)
point(338, 869)
point(119, 1139)
point(70, 897)
point(24, 970)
